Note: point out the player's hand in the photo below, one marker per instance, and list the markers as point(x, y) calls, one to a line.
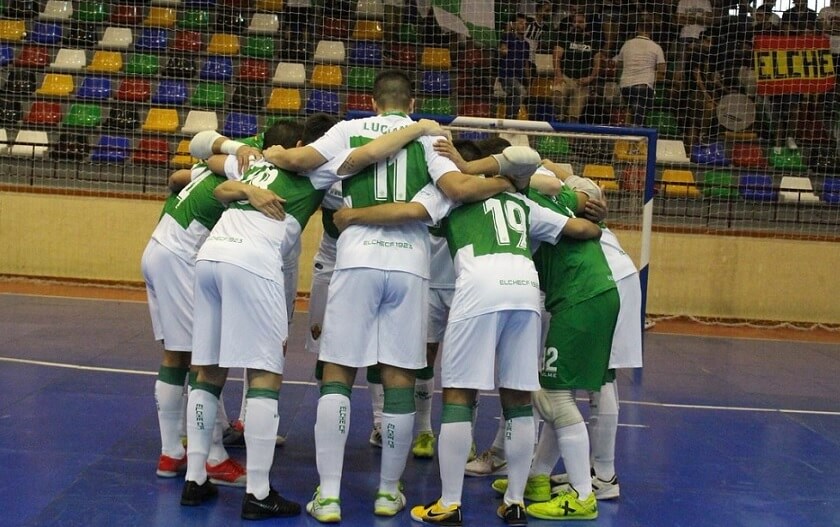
point(595, 210)
point(245, 154)
point(343, 218)
point(267, 202)
point(445, 148)
point(271, 152)
point(432, 127)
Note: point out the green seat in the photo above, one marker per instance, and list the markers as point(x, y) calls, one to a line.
point(194, 19)
point(142, 64)
point(664, 122)
point(208, 95)
point(552, 146)
point(408, 34)
point(786, 159)
point(259, 46)
point(271, 119)
point(93, 12)
point(361, 78)
point(720, 184)
point(83, 116)
point(436, 106)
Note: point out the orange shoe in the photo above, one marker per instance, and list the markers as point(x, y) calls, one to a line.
point(228, 473)
point(169, 467)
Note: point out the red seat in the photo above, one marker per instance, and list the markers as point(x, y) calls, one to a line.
point(126, 15)
point(151, 152)
point(335, 28)
point(252, 70)
point(475, 108)
point(401, 55)
point(187, 41)
point(633, 178)
point(748, 155)
point(42, 112)
point(360, 101)
point(33, 57)
point(134, 90)
point(474, 60)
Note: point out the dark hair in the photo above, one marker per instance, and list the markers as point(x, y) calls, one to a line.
point(392, 89)
point(317, 125)
point(467, 148)
point(492, 145)
point(283, 133)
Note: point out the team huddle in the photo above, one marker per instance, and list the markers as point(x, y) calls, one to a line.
point(524, 288)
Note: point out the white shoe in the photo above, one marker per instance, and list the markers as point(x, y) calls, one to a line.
point(327, 510)
point(488, 463)
point(604, 490)
point(388, 504)
point(376, 436)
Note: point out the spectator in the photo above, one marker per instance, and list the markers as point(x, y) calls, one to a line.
point(642, 63)
point(767, 13)
point(577, 63)
point(829, 19)
point(693, 17)
point(513, 59)
point(705, 90)
point(799, 18)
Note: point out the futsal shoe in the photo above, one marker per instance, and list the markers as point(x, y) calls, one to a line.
point(376, 436)
point(424, 445)
point(195, 494)
point(488, 463)
point(234, 436)
point(272, 506)
point(537, 488)
point(326, 510)
point(228, 473)
point(565, 506)
point(513, 514)
point(169, 467)
point(436, 514)
point(603, 489)
point(388, 504)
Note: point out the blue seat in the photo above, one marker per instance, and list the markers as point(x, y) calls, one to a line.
point(713, 154)
point(366, 53)
point(322, 101)
point(94, 88)
point(7, 54)
point(757, 187)
point(217, 69)
point(45, 33)
point(111, 149)
point(831, 190)
point(152, 39)
point(473, 136)
point(172, 92)
point(240, 125)
point(435, 81)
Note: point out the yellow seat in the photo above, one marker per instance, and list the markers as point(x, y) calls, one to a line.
point(631, 150)
point(182, 157)
point(436, 59)
point(160, 17)
point(368, 30)
point(326, 76)
point(680, 184)
point(12, 30)
point(269, 6)
point(284, 100)
point(604, 175)
point(56, 85)
point(223, 44)
point(161, 120)
point(106, 62)
point(501, 112)
point(541, 87)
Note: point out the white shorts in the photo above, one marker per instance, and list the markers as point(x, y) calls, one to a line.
point(291, 270)
point(375, 316)
point(505, 340)
point(169, 286)
point(322, 271)
point(240, 318)
point(626, 349)
point(440, 300)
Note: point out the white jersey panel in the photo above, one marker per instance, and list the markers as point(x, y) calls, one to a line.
point(185, 243)
point(619, 261)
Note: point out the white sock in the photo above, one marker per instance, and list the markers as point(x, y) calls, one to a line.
point(201, 418)
point(217, 453)
point(332, 422)
point(519, 450)
point(397, 430)
point(603, 430)
point(453, 449)
point(260, 435)
point(499, 439)
point(170, 416)
point(547, 453)
point(377, 401)
point(185, 396)
point(574, 447)
point(423, 392)
point(243, 405)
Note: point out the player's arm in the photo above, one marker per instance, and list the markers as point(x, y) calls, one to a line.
point(263, 200)
point(209, 142)
point(179, 179)
point(299, 159)
point(516, 163)
point(467, 189)
point(387, 145)
point(384, 214)
point(581, 229)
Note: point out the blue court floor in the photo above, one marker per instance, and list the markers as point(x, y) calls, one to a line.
point(715, 431)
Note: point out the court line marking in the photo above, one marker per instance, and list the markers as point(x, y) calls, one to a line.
point(81, 367)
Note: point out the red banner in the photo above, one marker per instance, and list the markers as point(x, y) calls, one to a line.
point(793, 64)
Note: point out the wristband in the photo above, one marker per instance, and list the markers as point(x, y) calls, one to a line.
point(229, 146)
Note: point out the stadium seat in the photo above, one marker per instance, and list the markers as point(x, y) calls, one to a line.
point(783, 158)
point(43, 113)
point(330, 52)
point(671, 151)
point(679, 184)
point(194, 19)
point(94, 88)
point(134, 90)
point(831, 190)
point(541, 87)
point(106, 62)
point(173, 3)
point(30, 143)
point(436, 106)
point(10, 112)
point(253, 70)
point(544, 63)
point(713, 154)
point(91, 12)
point(56, 85)
point(69, 60)
point(221, 44)
point(633, 178)
point(323, 101)
point(247, 97)
point(33, 57)
point(157, 16)
point(151, 152)
point(7, 54)
point(144, 64)
point(720, 184)
point(264, 23)
point(198, 121)
point(240, 125)
point(269, 6)
point(285, 100)
point(435, 81)
point(368, 30)
point(366, 53)
point(436, 58)
point(360, 78)
point(604, 175)
point(123, 118)
point(116, 38)
point(230, 21)
point(45, 33)
point(153, 39)
point(796, 189)
point(187, 42)
point(170, 93)
point(4, 142)
point(111, 149)
point(400, 55)
point(290, 74)
point(757, 187)
point(70, 147)
point(326, 76)
point(630, 150)
point(260, 47)
point(80, 35)
point(748, 155)
point(60, 10)
point(217, 69)
point(359, 102)
point(335, 28)
point(664, 122)
point(372, 9)
point(182, 157)
point(20, 82)
point(542, 110)
point(179, 67)
point(208, 95)
point(475, 108)
point(126, 15)
point(12, 30)
point(83, 115)
point(22, 9)
point(553, 147)
point(162, 120)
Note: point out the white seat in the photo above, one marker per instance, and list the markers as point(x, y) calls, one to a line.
point(116, 38)
point(796, 189)
point(330, 51)
point(544, 63)
point(69, 59)
point(668, 151)
point(57, 10)
point(370, 10)
point(4, 142)
point(290, 74)
point(198, 121)
point(30, 143)
point(264, 23)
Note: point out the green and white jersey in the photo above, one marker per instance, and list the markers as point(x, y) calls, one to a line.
point(570, 271)
point(490, 243)
point(397, 179)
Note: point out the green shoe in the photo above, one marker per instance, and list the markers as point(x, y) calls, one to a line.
point(565, 506)
point(538, 488)
point(325, 510)
point(424, 445)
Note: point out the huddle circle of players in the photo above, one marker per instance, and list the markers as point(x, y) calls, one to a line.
point(525, 289)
